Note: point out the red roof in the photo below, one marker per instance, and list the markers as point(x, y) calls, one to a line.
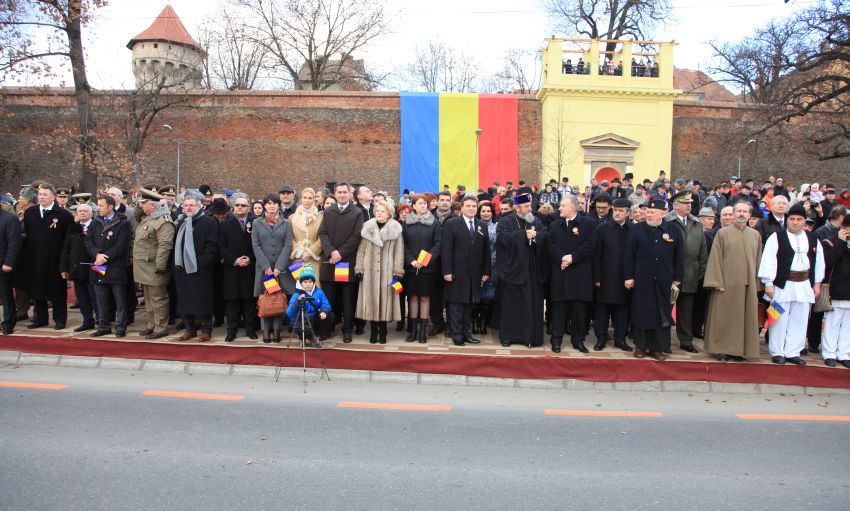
point(166, 27)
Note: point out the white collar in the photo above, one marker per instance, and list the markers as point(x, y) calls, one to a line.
point(467, 220)
point(48, 208)
point(342, 207)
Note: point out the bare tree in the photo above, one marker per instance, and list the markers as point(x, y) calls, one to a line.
point(32, 32)
point(609, 19)
point(522, 70)
point(560, 140)
point(797, 68)
point(438, 67)
point(319, 35)
point(235, 59)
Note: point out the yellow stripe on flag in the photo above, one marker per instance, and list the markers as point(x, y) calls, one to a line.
point(458, 120)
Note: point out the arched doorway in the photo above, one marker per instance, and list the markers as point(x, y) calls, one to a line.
point(607, 174)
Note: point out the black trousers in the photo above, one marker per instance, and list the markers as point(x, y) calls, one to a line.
point(84, 289)
point(245, 309)
point(321, 327)
point(685, 318)
point(700, 311)
point(460, 320)
point(7, 299)
point(814, 330)
point(618, 314)
point(106, 294)
point(341, 295)
point(576, 311)
point(60, 309)
point(436, 305)
point(193, 323)
point(654, 340)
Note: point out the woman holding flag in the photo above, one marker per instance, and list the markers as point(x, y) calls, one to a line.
point(271, 237)
point(421, 250)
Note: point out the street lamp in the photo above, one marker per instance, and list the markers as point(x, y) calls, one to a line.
point(750, 141)
point(170, 128)
point(477, 136)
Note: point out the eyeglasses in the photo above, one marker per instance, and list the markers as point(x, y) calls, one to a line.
point(240, 205)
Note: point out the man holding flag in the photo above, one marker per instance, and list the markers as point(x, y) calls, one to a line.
point(792, 268)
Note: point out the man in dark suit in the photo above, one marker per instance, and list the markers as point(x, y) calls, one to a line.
point(340, 237)
point(572, 243)
point(45, 227)
point(10, 248)
point(601, 210)
point(108, 244)
point(612, 298)
point(75, 264)
point(238, 259)
point(465, 256)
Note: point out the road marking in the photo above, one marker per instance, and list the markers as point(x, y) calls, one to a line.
point(193, 395)
point(602, 413)
point(394, 406)
point(787, 417)
point(27, 385)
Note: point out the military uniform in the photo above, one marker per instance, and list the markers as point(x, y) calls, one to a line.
point(62, 195)
point(152, 247)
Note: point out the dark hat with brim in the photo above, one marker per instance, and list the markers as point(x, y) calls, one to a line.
point(685, 196)
point(205, 190)
point(796, 210)
point(657, 204)
point(81, 198)
point(621, 203)
point(286, 189)
point(218, 206)
point(148, 195)
point(168, 190)
point(63, 192)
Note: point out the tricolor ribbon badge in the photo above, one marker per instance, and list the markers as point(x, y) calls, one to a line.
point(774, 311)
point(397, 287)
point(341, 272)
point(295, 269)
point(424, 258)
point(271, 285)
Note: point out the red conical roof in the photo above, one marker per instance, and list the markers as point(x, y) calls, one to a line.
point(166, 27)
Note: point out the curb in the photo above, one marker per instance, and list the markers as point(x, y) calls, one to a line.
point(16, 359)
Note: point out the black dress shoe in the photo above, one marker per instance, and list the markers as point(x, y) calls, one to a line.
point(155, 335)
point(458, 342)
point(506, 344)
point(804, 351)
point(737, 358)
point(689, 349)
point(346, 337)
point(101, 333)
point(36, 325)
point(83, 328)
point(778, 360)
point(669, 352)
point(358, 330)
point(581, 347)
point(146, 331)
point(471, 340)
point(845, 363)
point(721, 357)
point(599, 346)
point(830, 362)
point(120, 334)
point(797, 361)
point(251, 334)
point(230, 337)
point(8, 330)
point(624, 346)
point(556, 348)
point(59, 326)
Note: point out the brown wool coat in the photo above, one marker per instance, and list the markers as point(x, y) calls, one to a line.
point(380, 258)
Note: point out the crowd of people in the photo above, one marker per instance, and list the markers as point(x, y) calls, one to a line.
point(633, 259)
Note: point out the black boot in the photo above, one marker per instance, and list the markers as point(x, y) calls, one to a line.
point(422, 334)
point(399, 326)
point(276, 336)
point(482, 328)
point(267, 336)
point(231, 335)
point(382, 332)
point(476, 317)
point(373, 332)
point(412, 330)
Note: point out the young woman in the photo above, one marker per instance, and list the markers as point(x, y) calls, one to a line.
point(421, 232)
point(305, 222)
point(482, 312)
point(271, 237)
point(257, 208)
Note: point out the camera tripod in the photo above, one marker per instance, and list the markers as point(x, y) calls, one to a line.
point(302, 329)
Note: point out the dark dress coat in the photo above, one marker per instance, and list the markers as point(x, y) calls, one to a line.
point(608, 263)
point(466, 258)
point(235, 242)
point(838, 270)
point(75, 258)
point(43, 244)
point(578, 238)
point(340, 230)
point(422, 236)
point(113, 240)
point(195, 291)
point(10, 239)
point(654, 257)
point(768, 226)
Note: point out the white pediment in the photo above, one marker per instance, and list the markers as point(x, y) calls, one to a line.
point(610, 140)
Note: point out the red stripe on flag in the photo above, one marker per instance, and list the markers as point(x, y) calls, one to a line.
point(498, 150)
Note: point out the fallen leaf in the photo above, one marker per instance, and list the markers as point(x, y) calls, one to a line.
point(249, 462)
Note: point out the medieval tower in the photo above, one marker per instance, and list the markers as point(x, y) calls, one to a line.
point(166, 55)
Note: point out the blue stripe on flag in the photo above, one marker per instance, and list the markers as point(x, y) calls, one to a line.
point(420, 142)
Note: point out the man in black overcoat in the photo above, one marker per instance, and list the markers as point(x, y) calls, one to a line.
point(108, 244)
point(572, 243)
point(45, 227)
point(523, 247)
point(238, 260)
point(654, 262)
point(612, 298)
point(10, 249)
point(465, 255)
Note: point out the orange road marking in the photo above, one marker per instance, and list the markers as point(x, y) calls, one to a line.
point(787, 417)
point(193, 395)
point(602, 413)
point(394, 406)
point(26, 385)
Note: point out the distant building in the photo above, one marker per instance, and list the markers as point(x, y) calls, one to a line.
point(698, 86)
point(349, 74)
point(166, 53)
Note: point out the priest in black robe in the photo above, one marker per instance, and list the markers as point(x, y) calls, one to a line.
point(522, 245)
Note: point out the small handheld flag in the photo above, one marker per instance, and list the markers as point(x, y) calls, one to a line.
point(424, 258)
point(271, 284)
point(397, 287)
point(341, 273)
point(99, 269)
point(295, 269)
point(774, 311)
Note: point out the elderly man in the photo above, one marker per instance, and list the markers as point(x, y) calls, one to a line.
point(75, 264)
point(792, 268)
point(612, 298)
point(775, 222)
point(238, 263)
point(130, 214)
point(195, 256)
point(10, 248)
point(696, 257)
point(732, 329)
point(108, 244)
point(727, 216)
point(572, 243)
point(521, 241)
point(654, 262)
point(46, 225)
point(151, 254)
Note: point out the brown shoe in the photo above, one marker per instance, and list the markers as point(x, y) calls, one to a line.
point(204, 337)
point(186, 336)
point(661, 357)
point(640, 354)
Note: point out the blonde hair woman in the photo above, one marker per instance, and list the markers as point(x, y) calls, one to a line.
point(306, 246)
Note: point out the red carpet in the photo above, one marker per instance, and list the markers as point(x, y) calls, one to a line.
point(543, 367)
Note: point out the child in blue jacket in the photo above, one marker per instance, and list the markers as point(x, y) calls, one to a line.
point(318, 311)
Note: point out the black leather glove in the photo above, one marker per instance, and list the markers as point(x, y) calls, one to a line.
point(359, 277)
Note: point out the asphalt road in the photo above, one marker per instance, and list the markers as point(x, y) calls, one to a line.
point(101, 443)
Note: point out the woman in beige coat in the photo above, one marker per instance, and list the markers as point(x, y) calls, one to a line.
point(380, 259)
point(306, 246)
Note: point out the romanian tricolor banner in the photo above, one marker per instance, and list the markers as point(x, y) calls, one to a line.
point(440, 146)
point(397, 287)
point(271, 285)
point(774, 311)
point(99, 269)
point(341, 272)
point(424, 258)
point(295, 269)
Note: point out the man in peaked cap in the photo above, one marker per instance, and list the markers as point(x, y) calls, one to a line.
point(613, 300)
point(152, 245)
point(62, 195)
point(206, 191)
point(80, 198)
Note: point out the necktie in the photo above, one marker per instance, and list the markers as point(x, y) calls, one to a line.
point(471, 231)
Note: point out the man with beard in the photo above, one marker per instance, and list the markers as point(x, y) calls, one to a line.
point(612, 298)
point(654, 262)
point(522, 244)
point(732, 329)
point(288, 202)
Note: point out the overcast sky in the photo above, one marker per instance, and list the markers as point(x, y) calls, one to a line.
point(484, 29)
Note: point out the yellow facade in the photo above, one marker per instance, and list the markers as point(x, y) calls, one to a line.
point(600, 124)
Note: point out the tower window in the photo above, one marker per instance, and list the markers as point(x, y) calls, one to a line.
point(155, 45)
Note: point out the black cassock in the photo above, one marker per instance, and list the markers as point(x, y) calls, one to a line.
point(521, 275)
